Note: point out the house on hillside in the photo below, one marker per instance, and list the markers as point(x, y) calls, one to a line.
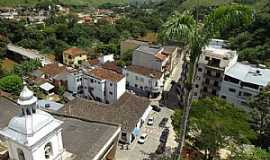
point(74, 56)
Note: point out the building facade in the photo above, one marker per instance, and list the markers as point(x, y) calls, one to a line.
point(211, 67)
point(144, 80)
point(74, 56)
point(242, 82)
point(150, 57)
point(103, 85)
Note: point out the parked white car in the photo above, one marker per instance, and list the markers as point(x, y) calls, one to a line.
point(150, 121)
point(142, 138)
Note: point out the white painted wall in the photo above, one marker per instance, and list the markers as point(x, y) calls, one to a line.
point(143, 83)
point(74, 80)
point(121, 87)
point(38, 152)
point(106, 58)
point(97, 85)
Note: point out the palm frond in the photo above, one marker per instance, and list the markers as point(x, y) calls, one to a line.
point(227, 15)
point(178, 27)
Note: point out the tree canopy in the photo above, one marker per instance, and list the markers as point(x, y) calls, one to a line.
point(11, 83)
point(215, 124)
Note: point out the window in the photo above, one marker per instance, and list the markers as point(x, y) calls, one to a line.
point(20, 154)
point(199, 69)
point(142, 79)
point(205, 89)
point(195, 94)
point(223, 97)
point(136, 85)
point(110, 93)
point(247, 94)
point(216, 83)
point(232, 90)
point(196, 86)
point(240, 93)
point(208, 73)
point(136, 77)
point(218, 74)
point(214, 92)
point(207, 58)
point(207, 81)
point(231, 79)
point(92, 81)
point(127, 74)
point(141, 88)
point(78, 80)
point(48, 150)
point(110, 84)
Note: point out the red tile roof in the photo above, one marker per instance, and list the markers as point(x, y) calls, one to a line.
point(161, 56)
point(93, 61)
point(74, 51)
point(112, 66)
point(53, 69)
point(102, 73)
point(145, 71)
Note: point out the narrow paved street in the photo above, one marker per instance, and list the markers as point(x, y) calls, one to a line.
point(138, 151)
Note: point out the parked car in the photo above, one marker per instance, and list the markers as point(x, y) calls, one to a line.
point(161, 148)
point(156, 108)
point(163, 122)
point(150, 121)
point(142, 138)
point(164, 135)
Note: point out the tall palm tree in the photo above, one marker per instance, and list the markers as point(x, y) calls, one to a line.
point(195, 36)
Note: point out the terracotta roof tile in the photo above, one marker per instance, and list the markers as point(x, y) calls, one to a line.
point(161, 56)
point(102, 73)
point(145, 71)
point(93, 61)
point(112, 66)
point(53, 69)
point(126, 111)
point(74, 51)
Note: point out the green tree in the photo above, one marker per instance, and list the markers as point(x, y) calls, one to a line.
point(186, 29)
point(26, 67)
point(260, 117)
point(253, 154)
point(215, 124)
point(11, 83)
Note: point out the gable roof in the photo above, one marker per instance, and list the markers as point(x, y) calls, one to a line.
point(126, 111)
point(74, 51)
point(53, 69)
point(145, 71)
point(102, 73)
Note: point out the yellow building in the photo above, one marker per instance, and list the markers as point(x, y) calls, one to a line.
point(74, 56)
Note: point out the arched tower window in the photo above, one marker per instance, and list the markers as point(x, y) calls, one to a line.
point(48, 150)
point(20, 154)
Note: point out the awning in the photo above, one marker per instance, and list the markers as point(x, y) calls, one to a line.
point(136, 131)
point(46, 86)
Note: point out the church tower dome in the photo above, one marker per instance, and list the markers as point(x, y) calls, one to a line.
point(32, 130)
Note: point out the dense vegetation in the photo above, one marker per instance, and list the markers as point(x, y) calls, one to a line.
point(63, 2)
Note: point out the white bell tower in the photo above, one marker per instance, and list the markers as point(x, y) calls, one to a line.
point(33, 134)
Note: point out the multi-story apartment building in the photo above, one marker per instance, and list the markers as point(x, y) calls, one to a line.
point(243, 81)
point(211, 66)
point(148, 81)
point(151, 57)
point(150, 64)
point(74, 56)
point(103, 85)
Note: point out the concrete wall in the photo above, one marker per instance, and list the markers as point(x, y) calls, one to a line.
point(74, 80)
point(146, 60)
point(98, 87)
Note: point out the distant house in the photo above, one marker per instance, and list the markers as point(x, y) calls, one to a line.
point(103, 85)
point(74, 56)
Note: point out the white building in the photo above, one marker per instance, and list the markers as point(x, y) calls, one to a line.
point(143, 79)
point(33, 134)
point(103, 85)
point(243, 81)
point(211, 66)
